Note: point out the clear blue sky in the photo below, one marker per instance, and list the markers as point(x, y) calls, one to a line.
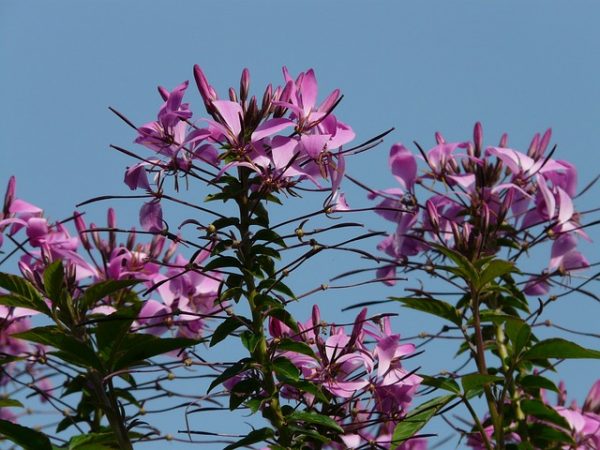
point(422, 66)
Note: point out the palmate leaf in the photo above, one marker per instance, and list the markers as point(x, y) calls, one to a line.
point(27, 438)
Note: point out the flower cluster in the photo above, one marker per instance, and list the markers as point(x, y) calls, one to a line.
point(479, 200)
point(583, 422)
point(89, 257)
point(360, 370)
point(285, 138)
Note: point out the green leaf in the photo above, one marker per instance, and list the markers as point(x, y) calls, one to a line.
point(559, 349)
point(93, 441)
point(96, 292)
point(7, 402)
point(277, 286)
point(314, 419)
point(269, 236)
point(221, 262)
point(230, 372)
point(25, 437)
point(285, 369)
point(476, 381)
point(227, 327)
point(418, 418)
point(493, 270)
point(139, 347)
point(54, 282)
point(466, 269)
point(447, 384)
point(537, 382)
point(249, 340)
point(539, 410)
point(519, 332)
point(24, 294)
point(310, 388)
point(289, 345)
point(253, 437)
point(545, 436)
point(112, 329)
point(431, 306)
point(71, 350)
point(242, 390)
point(285, 317)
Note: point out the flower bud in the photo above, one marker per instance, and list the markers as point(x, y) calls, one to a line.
point(433, 215)
point(592, 401)
point(534, 146)
point(266, 101)
point(439, 138)
point(81, 230)
point(10, 195)
point(232, 95)
point(503, 141)
point(112, 223)
point(478, 139)
point(131, 239)
point(244, 85)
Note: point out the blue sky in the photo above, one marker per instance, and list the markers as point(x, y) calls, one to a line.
point(420, 67)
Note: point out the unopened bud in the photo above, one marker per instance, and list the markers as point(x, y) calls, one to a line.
point(112, 223)
point(244, 84)
point(503, 141)
point(266, 101)
point(534, 146)
point(478, 138)
point(432, 213)
point(131, 239)
point(81, 230)
point(10, 195)
point(156, 245)
point(232, 95)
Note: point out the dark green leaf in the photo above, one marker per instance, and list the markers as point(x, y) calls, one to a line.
point(559, 349)
point(493, 270)
point(448, 384)
point(537, 382)
point(6, 402)
point(23, 292)
point(139, 347)
point(70, 348)
point(269, 236)
point(289, 345)
point(285, 317)
point(539, 410)
point(222, 261)
point(418, 418)
point(230, 372)
point(253, 437)
point(54, 282)
point(466, 268)
point(227, 327)
point(96, 292)
point(476, 381)
point(285, 369)
point(25, 437)
point(93, 441)
point(314, 419)
point(431, 306)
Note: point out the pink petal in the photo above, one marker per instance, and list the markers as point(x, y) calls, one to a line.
point(151, 217)
point(404, 165)
point(270, 127)
point(231, 113)
point(308, 89)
